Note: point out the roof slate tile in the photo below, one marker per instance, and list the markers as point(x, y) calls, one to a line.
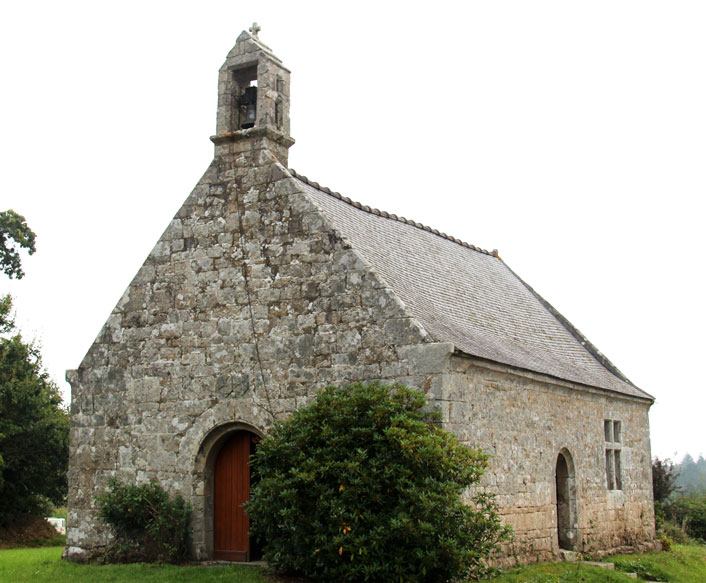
point(468, 296)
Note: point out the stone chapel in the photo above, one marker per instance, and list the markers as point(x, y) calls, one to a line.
point(266, 287)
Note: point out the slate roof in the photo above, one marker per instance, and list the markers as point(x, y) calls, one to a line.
point(468, 296)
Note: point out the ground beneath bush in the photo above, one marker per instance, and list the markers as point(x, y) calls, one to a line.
point(29, 532)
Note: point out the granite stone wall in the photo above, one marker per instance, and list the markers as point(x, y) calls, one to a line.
point(524, 421)
point(247, 305)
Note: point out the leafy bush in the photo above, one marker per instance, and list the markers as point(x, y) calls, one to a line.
point(666, 543)
point(690, 513)
point(148, 525)
point(361, 486)
point(673, 531)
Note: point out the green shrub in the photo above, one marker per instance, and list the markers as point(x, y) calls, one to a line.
point(148, 525)
point(675, 532)
point(666, 543)
point(361, 486)
point(690, 512)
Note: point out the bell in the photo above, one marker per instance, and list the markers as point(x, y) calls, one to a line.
point(249, 100)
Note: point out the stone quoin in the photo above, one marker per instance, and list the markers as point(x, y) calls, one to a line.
point(266, 287)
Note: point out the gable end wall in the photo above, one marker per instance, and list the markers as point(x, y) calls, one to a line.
point(249, 303)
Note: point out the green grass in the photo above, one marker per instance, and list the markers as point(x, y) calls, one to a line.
point(686, 564)
point(44, 565)
point(561, 573)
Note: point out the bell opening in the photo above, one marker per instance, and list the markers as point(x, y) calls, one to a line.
point(244, 98)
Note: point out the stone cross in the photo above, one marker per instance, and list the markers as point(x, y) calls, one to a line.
point(255, 28)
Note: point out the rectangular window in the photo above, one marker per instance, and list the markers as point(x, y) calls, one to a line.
point(613, 433)
point(616, 466)
point(609, 469)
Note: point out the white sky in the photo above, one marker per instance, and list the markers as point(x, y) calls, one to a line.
point(569, 135)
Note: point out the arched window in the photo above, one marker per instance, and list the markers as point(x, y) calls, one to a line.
point(567, 522)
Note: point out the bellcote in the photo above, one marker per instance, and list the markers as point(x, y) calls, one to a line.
point(253, 98)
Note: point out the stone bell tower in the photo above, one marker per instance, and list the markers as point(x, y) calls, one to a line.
point(253, 100)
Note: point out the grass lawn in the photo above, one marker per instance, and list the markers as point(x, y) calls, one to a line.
point(686, 564)
point(44, 565)
point(560, 573)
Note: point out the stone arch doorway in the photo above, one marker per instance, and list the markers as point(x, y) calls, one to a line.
point(223, 463)
point(566, 512)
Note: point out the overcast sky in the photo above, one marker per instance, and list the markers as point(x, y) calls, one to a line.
point(570, 136)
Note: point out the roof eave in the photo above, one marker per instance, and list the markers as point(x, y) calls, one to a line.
point(647, 397)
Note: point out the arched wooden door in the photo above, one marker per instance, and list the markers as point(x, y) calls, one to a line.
point(231, 489)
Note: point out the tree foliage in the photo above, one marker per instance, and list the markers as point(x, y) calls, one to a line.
point(34, 431)
point(34, 428)
point(14, 234)
point(361, 486)
point(664, 479)
point(7, 322)
point(692, 475)
point(148, 525)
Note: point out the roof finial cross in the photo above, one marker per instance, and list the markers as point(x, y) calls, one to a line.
point(255, 28)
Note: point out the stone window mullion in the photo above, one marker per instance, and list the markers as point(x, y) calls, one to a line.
point(612, 431)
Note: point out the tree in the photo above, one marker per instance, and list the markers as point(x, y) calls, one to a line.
point(664, 479)
point(692, 475)
point(34, 431)
point(14, 233)
point(361, 486)
point(34, 428)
